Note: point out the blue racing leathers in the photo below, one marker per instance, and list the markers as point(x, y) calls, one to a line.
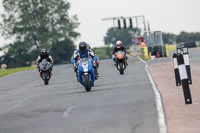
point(77, 55)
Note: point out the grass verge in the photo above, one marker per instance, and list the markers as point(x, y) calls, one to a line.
point(14, 70)
point(172, 47)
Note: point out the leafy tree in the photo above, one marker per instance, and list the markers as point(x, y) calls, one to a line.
point(62, 50)
point(16, 52)
point(37, 24)
point(124, 35)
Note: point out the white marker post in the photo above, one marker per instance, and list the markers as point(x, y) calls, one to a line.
point(176, 71)
point(184, 79)
point(187, 63)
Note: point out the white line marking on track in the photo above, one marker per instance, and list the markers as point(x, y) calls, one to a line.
point(66, 113)
point(161, 116)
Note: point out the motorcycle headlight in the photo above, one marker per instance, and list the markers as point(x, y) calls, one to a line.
point(85, 66)
point(84, 63)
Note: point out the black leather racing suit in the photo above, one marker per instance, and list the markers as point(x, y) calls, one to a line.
point(47, 57)
point(115, 50)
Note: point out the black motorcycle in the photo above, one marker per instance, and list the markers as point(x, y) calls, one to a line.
point(120, 58)
point(45, 71)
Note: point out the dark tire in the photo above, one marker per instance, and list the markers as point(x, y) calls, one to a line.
point(46, 82)
point(121, 68)
point(96, 76)
point(95, 71)
point(87, 83)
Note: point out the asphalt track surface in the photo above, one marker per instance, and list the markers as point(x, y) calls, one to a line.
point(116, 104)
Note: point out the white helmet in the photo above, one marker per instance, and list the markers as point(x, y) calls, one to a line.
point(118, 44)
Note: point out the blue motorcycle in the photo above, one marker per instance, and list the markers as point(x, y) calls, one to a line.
point(86, 74)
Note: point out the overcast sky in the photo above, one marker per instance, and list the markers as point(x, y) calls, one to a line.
point(171, 16)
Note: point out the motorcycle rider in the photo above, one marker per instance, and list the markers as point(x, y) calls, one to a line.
point(82, 52)
point(44, 55)
point(117, 48)
point(97, 58)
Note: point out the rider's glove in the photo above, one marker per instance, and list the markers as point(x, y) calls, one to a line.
point(113, 56)
point(38, 67)
point(75, 66)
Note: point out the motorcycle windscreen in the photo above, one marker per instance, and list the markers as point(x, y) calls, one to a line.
point(44, 65)
point(120, 55)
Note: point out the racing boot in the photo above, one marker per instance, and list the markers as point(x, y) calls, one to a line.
point(96, 73)
point(77, 77)
point(50, 74)
point(115, 64)
point(126, 61)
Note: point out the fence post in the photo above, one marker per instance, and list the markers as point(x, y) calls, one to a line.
point(176, 71)
point(187, 63)
point(184, 79)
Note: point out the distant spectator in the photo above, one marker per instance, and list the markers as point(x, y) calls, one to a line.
point(139, 39)
point(143, 44)
point(133, 41)
point(142, 39)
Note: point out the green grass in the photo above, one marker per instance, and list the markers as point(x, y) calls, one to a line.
point(172, 47)
point(198, 43)
point(14, 70)
point(103, 52)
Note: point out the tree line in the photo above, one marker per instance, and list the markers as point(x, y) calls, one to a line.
point(183, 37)
point(125, 35)
point(34, 25)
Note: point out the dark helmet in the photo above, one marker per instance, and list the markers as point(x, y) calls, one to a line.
point(44, 53)
point(83, 47)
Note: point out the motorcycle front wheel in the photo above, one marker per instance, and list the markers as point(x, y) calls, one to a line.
point(46, 82)
point(121, 68)
point(87, 83)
